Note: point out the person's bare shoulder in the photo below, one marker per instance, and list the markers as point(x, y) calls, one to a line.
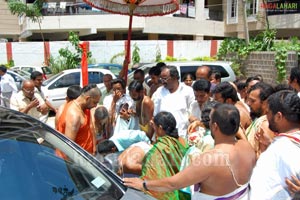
point(147, 100)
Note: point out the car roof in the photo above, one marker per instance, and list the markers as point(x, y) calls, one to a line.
point(89, 69)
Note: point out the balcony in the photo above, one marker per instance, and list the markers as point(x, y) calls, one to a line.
point(62, 17)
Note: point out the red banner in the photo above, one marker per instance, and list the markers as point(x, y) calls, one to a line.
point(84, 64)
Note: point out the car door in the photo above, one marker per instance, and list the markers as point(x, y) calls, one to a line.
point(58, 89)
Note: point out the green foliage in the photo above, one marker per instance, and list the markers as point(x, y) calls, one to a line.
point(10, 63)
point(32, 11)
point(68, 59)
point(170, 59)
point(205, 58)
point(265, 41)
point(135, 54)
point(116, 56)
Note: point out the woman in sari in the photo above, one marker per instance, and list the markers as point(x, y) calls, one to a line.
point(164, 158)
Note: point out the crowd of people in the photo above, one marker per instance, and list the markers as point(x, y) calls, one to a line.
point(196, 139)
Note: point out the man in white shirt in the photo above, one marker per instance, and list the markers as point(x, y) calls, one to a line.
point(174, 97)
point(281, 159)
point(7, 87)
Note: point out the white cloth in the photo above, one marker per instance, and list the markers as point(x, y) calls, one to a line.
point(243, 191)
point(107, 101)
point(125, 138)
point(18, 101)
point(176, 103)
point(8, 84)
point(281, 160)
point(194, 110)
point(40, 95)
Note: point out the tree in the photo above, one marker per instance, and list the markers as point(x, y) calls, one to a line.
point(32, 11)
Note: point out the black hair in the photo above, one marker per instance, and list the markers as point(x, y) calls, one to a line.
point(217, 75)
point(73, 92)
point(265, 90)
point(227, 91)
point(295, 74)
point(251, 78)
point(173, 71)
point(288, 103)
point(283, 86)
point(3, 68)
point(240, 85)
point(202, 85)
point(227, 118)
point(136, 85)
point(206, 109)
point(88, 90)
point(139, 71)
point(88, 87)
point(154, 71)
point(119, 80)
point(106, 146)
point(185, 76)
point(35, 74)
point(168, 123)
point(160, 64)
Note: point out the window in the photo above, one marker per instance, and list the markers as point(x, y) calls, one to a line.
point(67, 81)
point(252, 7)
point(95, 77)
point(232, 11)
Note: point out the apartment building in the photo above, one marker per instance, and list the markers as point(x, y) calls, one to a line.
point(282, 15)
point(195, 20)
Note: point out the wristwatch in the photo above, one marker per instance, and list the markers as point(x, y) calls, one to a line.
point(145, 185)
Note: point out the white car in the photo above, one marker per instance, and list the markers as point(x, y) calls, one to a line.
point(55, 88)
point(46, 71)
point(185, 67)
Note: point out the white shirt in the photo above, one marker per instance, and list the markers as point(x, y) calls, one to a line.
point(194, 110)
point(176, 103)
point(281, 160)
point(8, 84)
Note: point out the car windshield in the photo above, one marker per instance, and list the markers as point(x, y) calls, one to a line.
point(38, 164)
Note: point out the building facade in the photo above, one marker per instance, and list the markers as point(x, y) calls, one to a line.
point(195, 20)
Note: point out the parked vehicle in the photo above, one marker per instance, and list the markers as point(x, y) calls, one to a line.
point(183, 68)
point(37, 162)
point(113, 67)
point(18, 76)
point(55, 88)
point(46, 71)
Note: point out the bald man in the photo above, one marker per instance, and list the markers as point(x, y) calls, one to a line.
point(77, 113)
point(26, 102)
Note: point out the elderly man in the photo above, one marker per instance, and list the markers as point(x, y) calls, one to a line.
point(25, 101)
point(174, 97)
point(75, 120)
point(7, 87)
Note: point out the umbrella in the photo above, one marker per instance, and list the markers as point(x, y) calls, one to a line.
point(143, 8)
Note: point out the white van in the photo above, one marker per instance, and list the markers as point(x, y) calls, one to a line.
point(185, 67)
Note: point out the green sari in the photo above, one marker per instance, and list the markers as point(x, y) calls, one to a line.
point(164, 160)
